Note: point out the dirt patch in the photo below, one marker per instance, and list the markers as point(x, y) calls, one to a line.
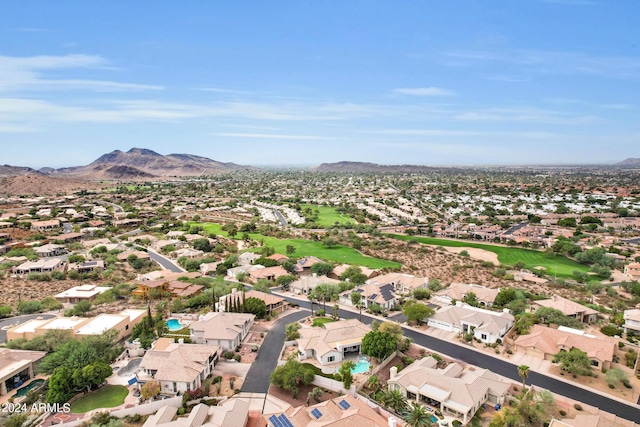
point(599, 383)
point(475, 253)
point(229, 386)
point(303, 394)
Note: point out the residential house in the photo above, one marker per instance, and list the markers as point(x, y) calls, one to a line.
point(279, 258)
point(591, 420)
point(88, 266)
point(340, 411)
point(275, 304)
point(177, 367)
point(633, 270)
point(138, 254)
point(175, 288)
point(339, 270)
point(331, 343)
point(226, 330)
point(304, 264)
point(80, 293)
point(69, 237)
point(487, 326)
point(122, 322)
point(544, 342)
point(50, 250)
point(632, 321)
point(248, 258)
point(382, 295)
point(17, 367)
point(189, 253)
point(569, 308)
point(44, 226)
point(305, 284)
point(235, 271)
point(453, 390)
point(402, 283)
point(458, 291)
point(230, 413)
point(45, 265)
point(269, 273)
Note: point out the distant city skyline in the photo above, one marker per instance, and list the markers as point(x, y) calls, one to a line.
point(302, 83)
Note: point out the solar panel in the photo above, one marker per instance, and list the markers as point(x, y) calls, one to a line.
point(284, 421)
point(275, 422)
point(316, 413)
point(344, 404)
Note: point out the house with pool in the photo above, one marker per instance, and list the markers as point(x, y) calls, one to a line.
point(454, 390)
point(333, 342)
point(17, 367)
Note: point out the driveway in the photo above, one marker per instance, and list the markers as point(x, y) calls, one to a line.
point(257, 380)
point(13, 321)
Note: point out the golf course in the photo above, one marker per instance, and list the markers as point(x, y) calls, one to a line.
point(561, 266)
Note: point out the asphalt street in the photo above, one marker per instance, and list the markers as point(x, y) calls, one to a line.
point(166, 263)
point(506, 369)
point(257, 380)
point(12, 321)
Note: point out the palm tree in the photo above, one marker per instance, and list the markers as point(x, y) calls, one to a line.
point(523, 371)
point(373, 383)
point(417, 416)
point(393, 399)
point(359, 305)
point(310, 298)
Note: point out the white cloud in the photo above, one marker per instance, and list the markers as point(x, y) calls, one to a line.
point(268, 136)
point(424, 91)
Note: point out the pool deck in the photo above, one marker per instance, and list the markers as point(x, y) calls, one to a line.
point(11, 394)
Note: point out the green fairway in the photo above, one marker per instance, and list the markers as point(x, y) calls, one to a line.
point(107, 397)
point(338, 254)
point(327, 215)
point(509, 256)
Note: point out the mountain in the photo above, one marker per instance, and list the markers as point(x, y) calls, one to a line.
point(141, 163)
point(39, 184)
point(363, 167)
point(630, 162)
point(6, 170)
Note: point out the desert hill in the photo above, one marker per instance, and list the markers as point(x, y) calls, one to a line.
point(141, 163)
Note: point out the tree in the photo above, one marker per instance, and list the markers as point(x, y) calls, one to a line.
point(202, 245)
point(373, 383)
point(316, 394)
point(150, 389)
point(552, 315)
point(345, 373)
point(290, 249)
point(379, 344)
point(291, 376)
point(356, 297)
point(417, 415)
point(523, 371)
point(471, 299)
point(91, 375)
point(421, 293)
point(574, 361)
point(416, 311)
point(392, 328)
point(60, 386)
point(322, 268)
point(230, 229)
point(255, 306)
point(291, 331)
point(354, 274)
point(393, 399)
point(615, 375)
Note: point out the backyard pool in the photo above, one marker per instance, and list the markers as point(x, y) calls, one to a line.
point(174, 325)
point(361, 367)
point(434, 419)
point(33, 384)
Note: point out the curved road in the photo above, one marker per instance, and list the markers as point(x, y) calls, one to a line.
point(165, 262)
point(500, 367)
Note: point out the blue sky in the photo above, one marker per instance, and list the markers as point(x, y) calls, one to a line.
point(305, 82)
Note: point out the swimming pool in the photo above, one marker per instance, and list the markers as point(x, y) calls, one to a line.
point(434, 419)
point(174, 325)
point(362, 366)
point(33, 384)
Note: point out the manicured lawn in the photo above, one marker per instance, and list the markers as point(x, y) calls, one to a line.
point(337, 254)
point(510, 256)
point(106, 397)
point(328, 215)
point(320, 321)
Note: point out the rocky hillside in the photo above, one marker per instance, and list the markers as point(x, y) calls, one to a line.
point(40, 185)
point(633, 162)
point(6, 170)
point(141, 163)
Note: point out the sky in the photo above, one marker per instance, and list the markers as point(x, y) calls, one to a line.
point(310, 81)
